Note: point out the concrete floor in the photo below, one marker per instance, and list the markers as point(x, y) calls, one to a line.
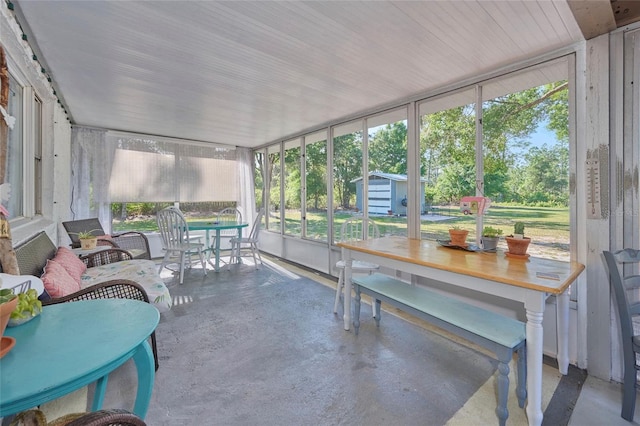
point(247, 346)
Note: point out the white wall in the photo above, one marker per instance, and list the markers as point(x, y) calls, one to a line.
point(56, 134)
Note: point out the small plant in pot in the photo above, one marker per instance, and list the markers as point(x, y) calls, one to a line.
point(88, 241)
point(518, 243)
point(458, 236)
point(490, 238)
point(8, 302)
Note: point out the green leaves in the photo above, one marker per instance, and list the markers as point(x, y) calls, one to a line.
point(28, 305)
point(6, 295)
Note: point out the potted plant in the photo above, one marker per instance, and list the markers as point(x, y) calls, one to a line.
point(517, 242)
point(458, 236)
point(88, 241)
point(8, 302)
point(490, 238)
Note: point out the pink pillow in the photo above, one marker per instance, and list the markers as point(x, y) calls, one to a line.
point(57, 280)
point(71, 263)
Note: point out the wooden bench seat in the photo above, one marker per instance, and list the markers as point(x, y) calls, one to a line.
point(499, 334)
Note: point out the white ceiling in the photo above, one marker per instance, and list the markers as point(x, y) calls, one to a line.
point(250, 72)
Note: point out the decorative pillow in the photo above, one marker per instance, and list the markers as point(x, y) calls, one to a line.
point(70, 262)
point(57, 280)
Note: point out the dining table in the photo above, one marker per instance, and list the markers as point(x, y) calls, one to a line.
point(213, 245)
point(530, 281)
point(70, 345)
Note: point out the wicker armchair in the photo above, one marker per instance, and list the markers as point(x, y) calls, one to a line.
point(133, 241)
point(111, 417)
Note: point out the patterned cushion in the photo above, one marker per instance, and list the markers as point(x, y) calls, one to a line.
point(70, 262)
point(57, 280)
point(144, 272)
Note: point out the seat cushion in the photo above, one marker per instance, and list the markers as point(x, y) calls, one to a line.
point(142, 271)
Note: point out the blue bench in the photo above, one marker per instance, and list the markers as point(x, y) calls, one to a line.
point(499, 334)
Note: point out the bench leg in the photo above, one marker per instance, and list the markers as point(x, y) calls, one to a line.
point(521, 389)
point(356, 314)
point(504, 357)
point(377, 311)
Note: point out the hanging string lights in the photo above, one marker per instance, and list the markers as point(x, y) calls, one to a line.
point(34, 57)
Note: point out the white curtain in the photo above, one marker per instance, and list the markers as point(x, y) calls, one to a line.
point(246, 192)
point(91, 160)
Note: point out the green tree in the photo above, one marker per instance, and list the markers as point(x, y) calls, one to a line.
point(347, 165)
point(316, 164)
point(388, 149)
point(292, 190)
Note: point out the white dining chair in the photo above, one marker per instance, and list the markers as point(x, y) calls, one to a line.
point(228, 215)
point(245, 246)
point(355, 229)
point(175, 240)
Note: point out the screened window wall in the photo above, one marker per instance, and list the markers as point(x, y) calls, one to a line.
point(505, 140)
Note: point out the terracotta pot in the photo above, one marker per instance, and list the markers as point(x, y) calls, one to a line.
point(5, 313)
point(458, 237)
point(518, 246)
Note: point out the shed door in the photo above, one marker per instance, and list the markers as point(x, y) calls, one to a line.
point(379, 196)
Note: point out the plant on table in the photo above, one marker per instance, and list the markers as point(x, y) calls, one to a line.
point(27, 308)
point(8, 302)
point(517, 242)
point(88, 241)
point(490, 237)
point(458, 236)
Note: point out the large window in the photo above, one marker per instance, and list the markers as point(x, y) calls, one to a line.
point(13, 169)
point(347, 169)
point(272, 188)
point(523, 138)
point(24, 143)
point(315, 188)
point(292, 188)
point(387, 187)
point(447, 163)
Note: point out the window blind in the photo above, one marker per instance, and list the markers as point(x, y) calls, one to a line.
point(147, 170)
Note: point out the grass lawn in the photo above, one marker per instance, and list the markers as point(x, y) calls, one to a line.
point(548, 227)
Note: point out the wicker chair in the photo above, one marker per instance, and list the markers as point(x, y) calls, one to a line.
point(132, 241)
point(111, 417)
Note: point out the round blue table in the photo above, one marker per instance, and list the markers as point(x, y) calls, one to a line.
point(217, 227)
point(71, 345)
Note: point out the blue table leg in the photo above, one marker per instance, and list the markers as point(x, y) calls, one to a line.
point(98, 397)
point(217, 249)
point(208, 246)
point(143, 358)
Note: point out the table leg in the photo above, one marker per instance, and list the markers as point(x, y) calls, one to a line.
point(346, 256)
point(101, 389)
point(562, 331)
point(217, 250)
point(143, 358)
point(535, 334)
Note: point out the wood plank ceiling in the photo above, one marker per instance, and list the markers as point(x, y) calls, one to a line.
point(247, 73)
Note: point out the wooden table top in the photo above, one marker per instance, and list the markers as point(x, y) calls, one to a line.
point(547, 275)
